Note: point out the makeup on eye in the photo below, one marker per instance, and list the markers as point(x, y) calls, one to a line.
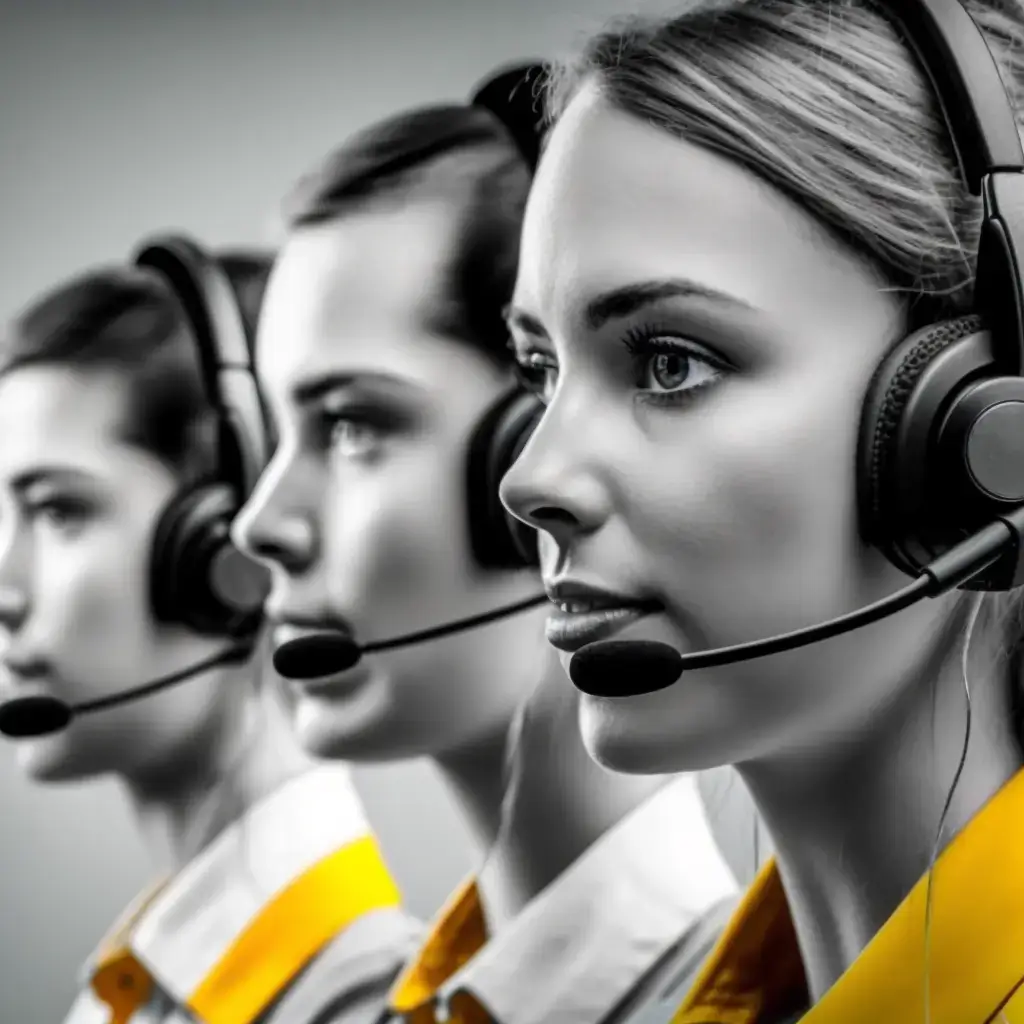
point(669, 368)
point(536, 370)
point(57, 509)
point(352, 422)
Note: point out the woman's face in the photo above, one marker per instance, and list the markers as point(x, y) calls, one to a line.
point(705, 350)
point(78, 509)
point(362, 512)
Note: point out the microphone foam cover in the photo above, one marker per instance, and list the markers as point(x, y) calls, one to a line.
point(37, 715)
point(624, 668)
point(315, 655)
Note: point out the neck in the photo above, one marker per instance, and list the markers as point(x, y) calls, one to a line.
point(559, 801)
point(855, 825)
point(474, 775)
point(188, 799)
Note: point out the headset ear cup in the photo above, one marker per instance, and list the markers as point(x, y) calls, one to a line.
point(497, 539)
point(896, 466)
point(198, 578)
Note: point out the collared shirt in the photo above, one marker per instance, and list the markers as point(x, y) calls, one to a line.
point(976, 950)
point(291, 910)
point(580, 948)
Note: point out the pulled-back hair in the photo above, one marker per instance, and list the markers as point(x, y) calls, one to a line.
point(125, 320)
point(457, 152)
point(825, 101)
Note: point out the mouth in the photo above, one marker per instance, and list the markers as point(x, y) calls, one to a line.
point(585, 614)
point(23, 676)
point(311, 640)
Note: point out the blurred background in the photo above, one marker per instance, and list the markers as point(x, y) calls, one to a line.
point(118, 118)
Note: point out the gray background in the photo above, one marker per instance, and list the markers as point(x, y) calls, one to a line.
point(117, 118)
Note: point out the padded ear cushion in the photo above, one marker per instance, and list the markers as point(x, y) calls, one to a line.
point(497, 539)
point(198, 577)
point(880, 455)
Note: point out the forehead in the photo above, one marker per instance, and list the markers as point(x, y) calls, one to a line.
point(358, 294)
point(53, 414)
point(616, 199)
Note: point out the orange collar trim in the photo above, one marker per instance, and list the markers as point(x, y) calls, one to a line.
point(459, 934)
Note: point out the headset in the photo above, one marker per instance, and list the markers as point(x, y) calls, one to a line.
point(497, 539)
point(198, 578)
point(940, 461)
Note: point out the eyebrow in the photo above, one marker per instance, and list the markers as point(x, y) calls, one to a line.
point(46, 474)
point(630, 299)
point(315, 388)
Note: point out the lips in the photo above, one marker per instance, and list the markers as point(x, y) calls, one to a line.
point(586, 614)
point(320, 683)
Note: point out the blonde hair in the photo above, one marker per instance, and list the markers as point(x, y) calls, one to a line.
point(825, 101)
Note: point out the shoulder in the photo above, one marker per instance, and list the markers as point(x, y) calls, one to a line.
point(349, 980)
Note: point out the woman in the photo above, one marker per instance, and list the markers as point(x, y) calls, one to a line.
point(117, 484)
point(382, 353)
point(739, 212)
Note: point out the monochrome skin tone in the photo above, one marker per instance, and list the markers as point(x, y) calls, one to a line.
point(105, 426)
point(361, 517)
point(382, 346)
point(79, 506)
point(703, 343)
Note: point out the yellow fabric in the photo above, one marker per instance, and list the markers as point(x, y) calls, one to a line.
point(287, 933)
point(755, 975)
point(458, 934)
point(291, 930)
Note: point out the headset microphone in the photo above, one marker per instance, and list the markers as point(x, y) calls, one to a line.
point(629, 668)
point(327, 652)
point(40, 715)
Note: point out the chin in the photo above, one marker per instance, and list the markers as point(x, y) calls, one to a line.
point(642, 736)
point(350, 726)
point(52, 759)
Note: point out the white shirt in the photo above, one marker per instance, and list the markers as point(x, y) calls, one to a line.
point(580, 948)
point(286, 905)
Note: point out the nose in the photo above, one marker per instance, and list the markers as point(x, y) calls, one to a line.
point(274, 526)
point(552, 488)
point(13, 608)
point(15, 568)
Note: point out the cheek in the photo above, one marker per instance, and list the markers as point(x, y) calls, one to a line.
point(394, 532)
point(757, 484)
point(94, 588)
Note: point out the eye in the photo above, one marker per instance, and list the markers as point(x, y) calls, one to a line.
point(62, 515)
point(352, 436)
point(537, 372)
point(670, 368)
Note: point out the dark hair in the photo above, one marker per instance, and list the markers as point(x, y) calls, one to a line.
point(127, 321)
point(454, 151)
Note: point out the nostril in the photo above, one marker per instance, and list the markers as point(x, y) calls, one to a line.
point(290, 544)
point(551, 515)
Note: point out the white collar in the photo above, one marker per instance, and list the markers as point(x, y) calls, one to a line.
point(182, 934)
point(581, 945)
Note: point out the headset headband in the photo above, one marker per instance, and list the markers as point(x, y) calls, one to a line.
point(208, 301)
point(982, 127)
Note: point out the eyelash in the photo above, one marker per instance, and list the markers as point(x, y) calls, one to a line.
point(647, 341)
point(68, 510)
point(365, 417)
point(642, 343)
